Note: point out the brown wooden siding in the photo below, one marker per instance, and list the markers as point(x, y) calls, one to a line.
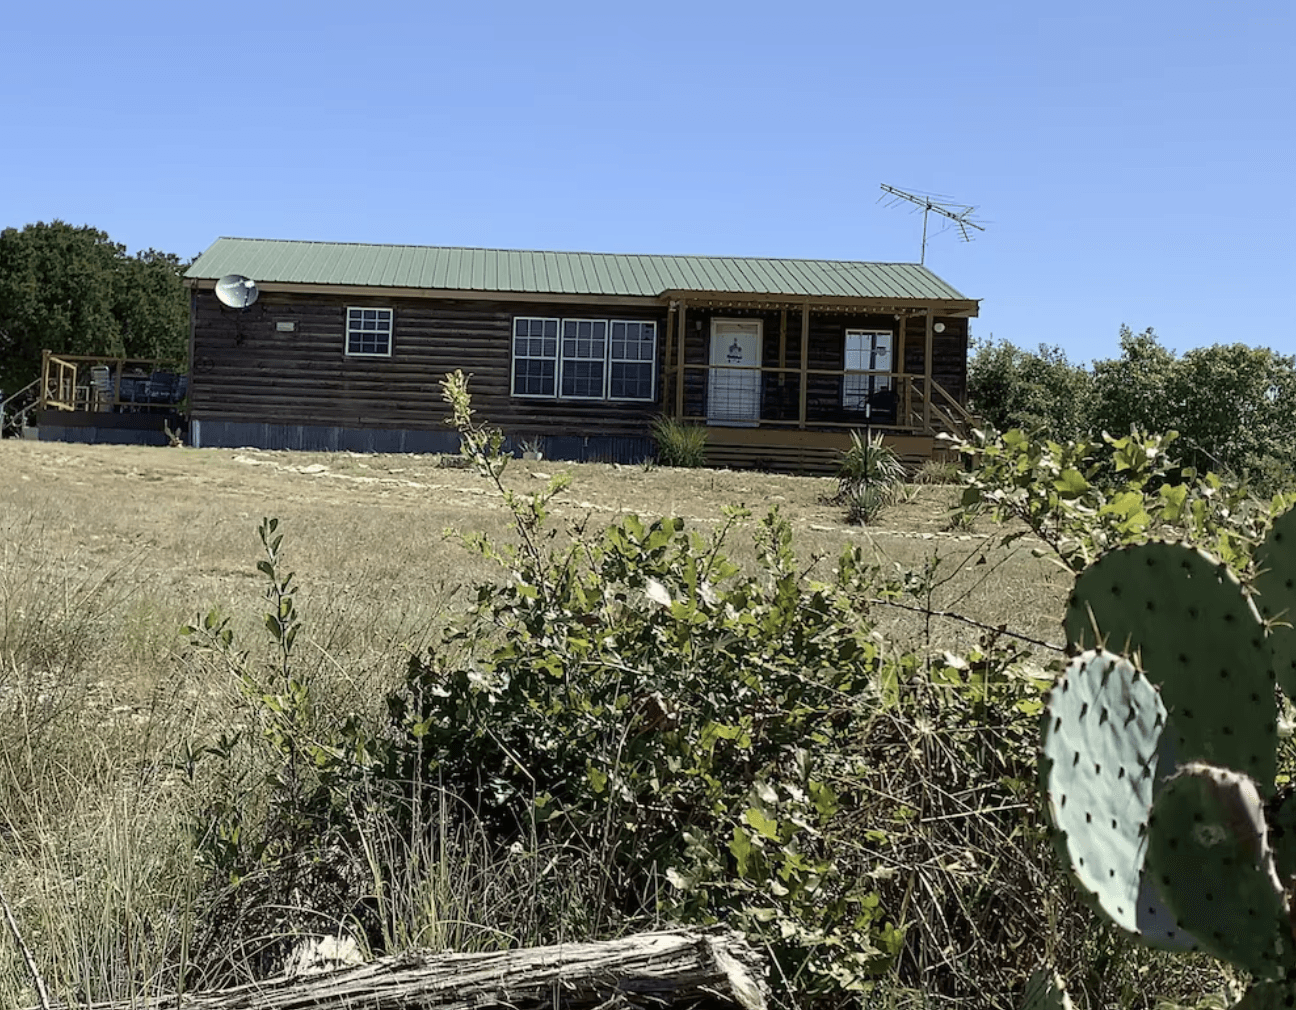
point(949, 352)
point(245, 369)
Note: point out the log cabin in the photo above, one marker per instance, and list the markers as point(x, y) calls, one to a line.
point(576, 353)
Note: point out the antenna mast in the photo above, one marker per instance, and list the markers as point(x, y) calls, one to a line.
point(960, 214)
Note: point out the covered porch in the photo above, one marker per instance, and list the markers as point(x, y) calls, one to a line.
point(782, 383)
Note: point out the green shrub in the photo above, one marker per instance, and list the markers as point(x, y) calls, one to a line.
point(679, 443)
point(1084, 497)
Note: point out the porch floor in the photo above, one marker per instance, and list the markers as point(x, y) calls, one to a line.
point(807, 453)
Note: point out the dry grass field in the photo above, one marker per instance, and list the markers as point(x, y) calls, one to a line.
point(174, 529)
point(106, 551)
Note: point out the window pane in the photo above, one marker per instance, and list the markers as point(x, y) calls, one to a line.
point(582, 379)
point(631, 382)
point(368, 331)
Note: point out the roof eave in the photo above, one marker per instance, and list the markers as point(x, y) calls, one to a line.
point(947, 307)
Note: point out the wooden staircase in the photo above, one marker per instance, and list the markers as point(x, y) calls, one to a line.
point(15, 409)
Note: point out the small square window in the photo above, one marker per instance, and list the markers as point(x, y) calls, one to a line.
point(369, 333)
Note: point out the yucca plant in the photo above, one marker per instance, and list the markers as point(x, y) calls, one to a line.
point(869, 477)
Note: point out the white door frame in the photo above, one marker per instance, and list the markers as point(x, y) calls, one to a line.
point(734, 393)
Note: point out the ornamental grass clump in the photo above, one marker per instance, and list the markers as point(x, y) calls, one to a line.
point(679, 443)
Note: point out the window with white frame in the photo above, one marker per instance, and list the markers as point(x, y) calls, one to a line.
point(535, 356)
point(867, 353)
point(633, 358)
point(585, 359)
point(368, 332)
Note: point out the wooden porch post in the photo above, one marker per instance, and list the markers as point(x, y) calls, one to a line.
point(903, 402)
point(679, 368)
point(927, 371)
point(782, 383)
point(666, 364)
point(805, 361)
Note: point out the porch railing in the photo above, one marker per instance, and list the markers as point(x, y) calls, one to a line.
point(15, 408)
point(774, 397)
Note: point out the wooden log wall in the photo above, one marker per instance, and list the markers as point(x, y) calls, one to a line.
point(949, 352)
point(247, 370)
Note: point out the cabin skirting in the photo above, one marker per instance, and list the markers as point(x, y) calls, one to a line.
point(208, 434)
point(97, 428)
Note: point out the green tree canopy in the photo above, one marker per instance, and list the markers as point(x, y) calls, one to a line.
point(1237, 411)
point(1233, 406)
point(1132, 392)
point(1041, 391)
point(72, 290)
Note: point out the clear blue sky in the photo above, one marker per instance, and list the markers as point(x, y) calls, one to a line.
point(1132, 161)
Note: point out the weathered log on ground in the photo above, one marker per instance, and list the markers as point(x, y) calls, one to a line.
point(680, 968)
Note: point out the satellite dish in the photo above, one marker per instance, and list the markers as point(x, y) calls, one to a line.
point(236, 291)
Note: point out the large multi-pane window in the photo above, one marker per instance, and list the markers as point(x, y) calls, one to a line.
point(587, 359)
point(633, 357)
point(867, 353)
point(369, 332)
point(535, 356)
point(584, 358)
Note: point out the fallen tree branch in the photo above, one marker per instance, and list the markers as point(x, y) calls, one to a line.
point(32, 970)
point(662, 969)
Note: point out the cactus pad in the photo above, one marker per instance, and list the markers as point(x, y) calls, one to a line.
point(1198, 637)
point(1275, 586)
point(1280, 815)
point(1208, 855)
point(1268, 996)
point(1101, 729)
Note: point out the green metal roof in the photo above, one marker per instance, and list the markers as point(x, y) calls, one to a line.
point(270, 261)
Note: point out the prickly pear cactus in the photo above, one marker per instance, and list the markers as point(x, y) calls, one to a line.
point(1209, 856)
point(1275, 586)
point(1269, 996)
point(1280, 814)
point(1198, 637)
point(1101, 729)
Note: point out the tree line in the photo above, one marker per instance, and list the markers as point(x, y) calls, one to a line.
point(72, 290)
point(1233, 405)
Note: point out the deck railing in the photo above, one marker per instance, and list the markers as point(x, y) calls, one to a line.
point(775, 397)
point(102, 383)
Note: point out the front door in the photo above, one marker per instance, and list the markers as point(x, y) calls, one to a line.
point(734, 380)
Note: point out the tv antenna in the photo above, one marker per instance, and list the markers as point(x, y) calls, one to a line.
point(959, 213)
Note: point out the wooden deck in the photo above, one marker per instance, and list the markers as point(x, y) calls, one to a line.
point(808, 453)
